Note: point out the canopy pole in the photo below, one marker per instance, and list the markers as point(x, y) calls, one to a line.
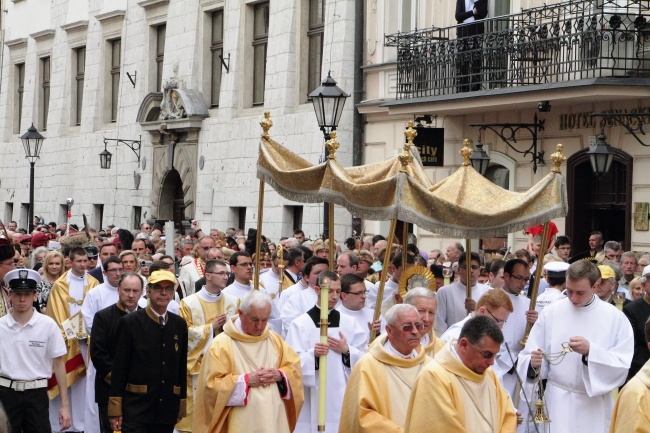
point(258, 236)
point(332, 242)
point(322, 359)
point(538, 275)
point(384, 275)
point(405, 243)
point(468, 268)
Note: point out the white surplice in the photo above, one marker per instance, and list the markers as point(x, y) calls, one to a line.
point(270, 284)
point(578, 396)
point(513, 332)
point(547, 298)
point(362, 317)
point(298, 304)
point(390, 288)
point(302, 336)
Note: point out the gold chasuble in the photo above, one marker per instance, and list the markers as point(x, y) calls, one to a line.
point(231, 357)
point(58, 308)
point(435, 344)
point(632, 409)
point(199, 315)
point(449, 397)
point(378, 391)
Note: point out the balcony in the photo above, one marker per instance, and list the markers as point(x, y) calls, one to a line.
point(559, 43)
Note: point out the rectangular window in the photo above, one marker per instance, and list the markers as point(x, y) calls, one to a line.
point(216, 51)
point(80, 61)
point(45, 89)
point(9, 212)
point(20, 90)
point(116, 59)
point(238, 217)
point(98, 216)
point(137, 216)
point(315, 32)
point(260, 42)
point(161, 31)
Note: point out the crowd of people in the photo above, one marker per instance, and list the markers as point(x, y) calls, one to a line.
point(103, 331)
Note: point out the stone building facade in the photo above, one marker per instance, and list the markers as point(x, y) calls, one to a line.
point(190, 80)
point(604, 41)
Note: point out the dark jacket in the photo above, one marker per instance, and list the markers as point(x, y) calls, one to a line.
point(473, 28)
point(103, 340)
point(148, 382)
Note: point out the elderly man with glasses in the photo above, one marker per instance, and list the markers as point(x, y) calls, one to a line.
point(378, 391)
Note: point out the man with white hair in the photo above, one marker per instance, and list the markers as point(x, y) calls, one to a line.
point(425, 302)
point(250, 379)
point(379, 388)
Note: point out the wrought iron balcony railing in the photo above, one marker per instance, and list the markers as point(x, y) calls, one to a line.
point(554, 43)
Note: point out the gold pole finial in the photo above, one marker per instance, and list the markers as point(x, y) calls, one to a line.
point(332, 145)
point(467, 150)
point(410, 133)
point(266, 124)
point(558, 158)
point(405, 157)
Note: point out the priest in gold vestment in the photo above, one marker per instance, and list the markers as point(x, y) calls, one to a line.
point(458, 392)
point(66, 298)
point(632, 408)
point(379, 388)
point(250, 379)
point(205, 312)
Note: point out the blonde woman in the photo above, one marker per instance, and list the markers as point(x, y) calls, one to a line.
point(53, 268)
point(636, 289)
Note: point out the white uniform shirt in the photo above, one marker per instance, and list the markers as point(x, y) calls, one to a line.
point(26, 352)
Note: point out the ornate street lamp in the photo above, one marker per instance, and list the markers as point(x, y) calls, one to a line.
point(328, 100)
point(32, 142)
point(600, 156)
point(480, 159)
point(105, 158)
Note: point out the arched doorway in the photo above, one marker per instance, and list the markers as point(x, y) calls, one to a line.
point(172, 200)
point(602, 204)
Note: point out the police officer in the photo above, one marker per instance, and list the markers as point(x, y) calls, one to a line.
point(32, 346)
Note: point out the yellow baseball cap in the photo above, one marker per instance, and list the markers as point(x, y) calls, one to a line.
point(606, 272)
point(158, 276)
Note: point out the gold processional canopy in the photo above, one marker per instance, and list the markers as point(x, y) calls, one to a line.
point(464, 205)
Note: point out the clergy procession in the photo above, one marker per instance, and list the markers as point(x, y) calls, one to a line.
point(385, 338)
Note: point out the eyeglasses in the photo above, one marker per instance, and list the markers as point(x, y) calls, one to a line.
point(474, 267)
point(409, 327)
point(221, 274)
point(361, 293)
point(499, 322)
point(157, 288)
point(12, 263)
point(520, 278)
point(118, 270)
point(486, 355)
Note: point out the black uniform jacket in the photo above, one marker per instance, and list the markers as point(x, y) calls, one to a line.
point(148, 381)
